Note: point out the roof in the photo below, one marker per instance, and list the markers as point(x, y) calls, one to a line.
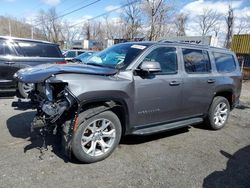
point(25, 39)
point(178, 43)
point(241, 44)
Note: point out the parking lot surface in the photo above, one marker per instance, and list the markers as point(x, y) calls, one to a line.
point(187, 157)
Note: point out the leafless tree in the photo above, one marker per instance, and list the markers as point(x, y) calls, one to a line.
point(180, 23)
point(230, 25)
point(156, 14)
point(49, 24)
point(131, 15)
point(207, 21)
point(18, 28)
point(68, 34)
point(242, 25)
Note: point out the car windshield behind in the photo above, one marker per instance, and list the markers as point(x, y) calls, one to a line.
point(118, 56)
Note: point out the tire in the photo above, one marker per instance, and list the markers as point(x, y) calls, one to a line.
point(218, 113)
point(93, 142)
point(24, 89)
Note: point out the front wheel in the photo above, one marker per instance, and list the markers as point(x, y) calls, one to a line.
point(97, 137)
point(25, 88)
point(218, 113)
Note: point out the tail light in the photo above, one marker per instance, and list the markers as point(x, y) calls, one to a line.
point(61, 62)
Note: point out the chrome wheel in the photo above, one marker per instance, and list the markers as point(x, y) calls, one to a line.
point(221, 113)
point(98, 137)
point(25, 89)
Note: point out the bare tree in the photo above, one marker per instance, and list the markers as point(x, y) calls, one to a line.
point(207, 21)
point(68, 34)
point(131, 15)
point(156, 13)
point(49, 24)
point(18, 28)
point(242, 25)
point(180, 23)
point(230, 24)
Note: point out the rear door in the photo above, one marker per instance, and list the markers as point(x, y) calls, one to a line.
point(7, 66)
point(158, 95)
point(198, 82)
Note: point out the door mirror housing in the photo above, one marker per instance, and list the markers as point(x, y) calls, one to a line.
point(150, 66)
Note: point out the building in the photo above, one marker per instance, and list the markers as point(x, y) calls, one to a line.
point(241, 46)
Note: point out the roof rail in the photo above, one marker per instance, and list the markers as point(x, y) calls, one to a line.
point(182, 42)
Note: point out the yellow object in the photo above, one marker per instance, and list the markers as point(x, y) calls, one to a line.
point(241, 44)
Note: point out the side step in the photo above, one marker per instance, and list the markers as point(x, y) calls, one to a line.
point(168, 126)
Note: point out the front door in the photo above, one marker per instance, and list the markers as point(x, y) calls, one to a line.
point(158, 95)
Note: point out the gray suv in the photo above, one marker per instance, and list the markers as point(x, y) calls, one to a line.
point(137, 88)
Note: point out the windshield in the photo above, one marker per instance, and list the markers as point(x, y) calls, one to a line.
point(118, 56)
point(85, 56)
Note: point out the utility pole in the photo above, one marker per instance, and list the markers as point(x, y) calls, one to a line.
point(32, 32)
point(9, 28)
point(230, 22)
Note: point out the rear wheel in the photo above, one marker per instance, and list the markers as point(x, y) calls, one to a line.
point(97, 137)
point(218, 113)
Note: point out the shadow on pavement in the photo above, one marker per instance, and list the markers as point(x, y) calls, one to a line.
point(19, 127)
point(134, 140)
point(236, 174)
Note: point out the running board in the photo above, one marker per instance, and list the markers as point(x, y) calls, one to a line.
point(168, 126)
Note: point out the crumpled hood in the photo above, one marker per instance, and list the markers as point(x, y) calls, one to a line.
point(42, 72)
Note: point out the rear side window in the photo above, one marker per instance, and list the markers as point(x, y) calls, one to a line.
point(224, 62)
point(4, 49)
point(33, 49)
point(196, 61)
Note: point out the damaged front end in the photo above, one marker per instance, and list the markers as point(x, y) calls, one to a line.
point(56, 108)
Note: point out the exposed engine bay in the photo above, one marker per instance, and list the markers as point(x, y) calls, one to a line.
point(54, 105)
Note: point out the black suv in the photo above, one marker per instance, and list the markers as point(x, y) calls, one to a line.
point(17, 53)
point(133, 88)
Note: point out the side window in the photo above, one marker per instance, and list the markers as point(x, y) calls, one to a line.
point(167, 58)
point(4, 49)
point(33, 49)
point(196, 61)
point(224, 62)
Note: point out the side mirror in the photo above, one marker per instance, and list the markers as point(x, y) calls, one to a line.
point(150, 66)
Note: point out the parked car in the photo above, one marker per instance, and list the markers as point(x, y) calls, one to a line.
point(71, 54)
point(84, 57)
point(137, 88)
point(17, 53)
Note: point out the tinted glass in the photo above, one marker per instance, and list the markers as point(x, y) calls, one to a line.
point(167, 58)
point(196, 61)
point(32, 49)
point(224, 62)
point(4, 49)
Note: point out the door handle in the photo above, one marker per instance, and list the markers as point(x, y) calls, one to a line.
point(9, 62)
point(210, 81)
point(174, 83)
